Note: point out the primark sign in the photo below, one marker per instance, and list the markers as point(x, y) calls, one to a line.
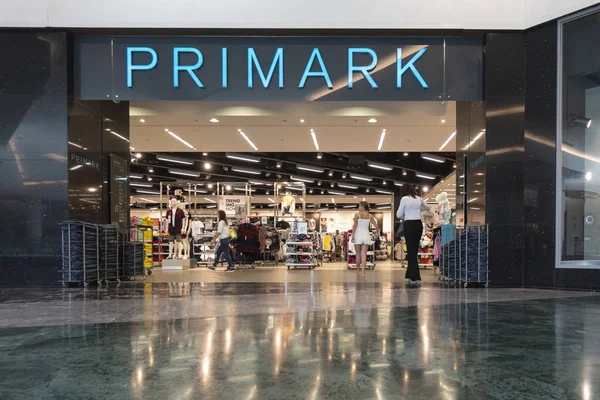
point(278, 68)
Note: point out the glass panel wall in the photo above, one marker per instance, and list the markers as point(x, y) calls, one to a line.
point(578, 227)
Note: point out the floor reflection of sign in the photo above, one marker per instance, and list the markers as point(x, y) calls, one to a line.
point(119, 194)
point(234, 206)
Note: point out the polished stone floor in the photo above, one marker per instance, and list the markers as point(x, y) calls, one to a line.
point(290, 340)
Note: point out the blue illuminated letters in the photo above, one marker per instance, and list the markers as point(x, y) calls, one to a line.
point(364, 70)
point(253, 61)
point(316, 54)
point(189, 68)
point(361, 64)
point(400, 70)
point(131, 67)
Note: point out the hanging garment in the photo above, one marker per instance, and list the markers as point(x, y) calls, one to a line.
point(437, 248)
point(197, 228)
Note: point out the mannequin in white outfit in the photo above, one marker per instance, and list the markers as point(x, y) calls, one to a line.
point(361, 237)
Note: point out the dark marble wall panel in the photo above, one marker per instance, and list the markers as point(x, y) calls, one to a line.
point(504, 154)
point(33, 155)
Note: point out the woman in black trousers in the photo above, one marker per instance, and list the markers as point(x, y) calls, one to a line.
point(411, 206)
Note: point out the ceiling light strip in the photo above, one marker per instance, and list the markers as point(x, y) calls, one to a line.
point(448, 140)
point(314, 138)
point(247, 139)
point(175, 160)
point(381, 139)
point(181, 140)
point(242, 157)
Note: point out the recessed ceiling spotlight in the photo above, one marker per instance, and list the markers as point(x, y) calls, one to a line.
point(404, 172)
point(311, 191)
point(405, 154)
point(214, 120)
point(149, 179)
point(210, 186)
point(301, 121)
point(228, 187)
point(368, 190)
point(151, 170)
point(319, 155)
point(372, 120)
point(425, 189)
point(332, 184)
point(204, 154)
point(384, 183)
point(322, 192)
point(319, 183)
point(330, 173)
point(142, 120)
point(443, 121)
point(278, 165)
point(207, 166)
point(138, 155)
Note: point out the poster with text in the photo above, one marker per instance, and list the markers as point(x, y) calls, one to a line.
point(234, 206)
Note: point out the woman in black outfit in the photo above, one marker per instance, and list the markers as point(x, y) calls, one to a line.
point(411, 206)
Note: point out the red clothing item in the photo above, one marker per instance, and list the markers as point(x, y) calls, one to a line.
point(175, 224)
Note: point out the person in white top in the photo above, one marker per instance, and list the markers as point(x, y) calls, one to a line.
point(223, 236)
point(361, 237)
point(411, 206)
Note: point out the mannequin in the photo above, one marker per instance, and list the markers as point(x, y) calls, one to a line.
point(288, 204)
point(175, 217)
point(443, 208)
point(185, 235)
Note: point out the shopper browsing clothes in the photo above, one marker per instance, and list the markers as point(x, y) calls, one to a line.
point(223, 236)
point(361, 237)
point(411, 206)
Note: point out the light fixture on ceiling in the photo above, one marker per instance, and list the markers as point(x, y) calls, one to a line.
point(228, 187)
point(247, 139)
point(350, 206)
point(432, 157)
point(241, 189)
point(453, 165)
point(301, 179)
point(142, 120)
point(381, 139)
point(582, 122)
point(344, 175)
point(246, 171)
point(133, 176)
point(310, 168)
point(372, 120)
point(243, 157)
point(345, 186)
point(337, 193)
point(146, 191)
point(425, 189)
point(333, 200)
point(404, 172)
point(181, 140)
point(368, 190)
point(214, 120)
point(293, 188)
point(138, 155)
point(150, 170)
point(211, 206)
point(425, 176)
point(148, 200)
point(311, 191)
point(119, 136)
point(209, 200)
point(205, 154)
point(174, 160)
point(78, 146)
point(405, 154)
point(136, 184)
point(588, 176)
point(443, 121)
point(382, 191)
point(384, 182)
point(258, 183)
point(271, 200)
point(278, 165)
point(377, 165)
point(473, 200)
point(267, 192)
point(207, 166)
point(314, 138)
point(319, 183)
point(319, 156)
point(448, 140)
point(384, 207)
point(301, 121)
point(184, 172)
point(361, 177)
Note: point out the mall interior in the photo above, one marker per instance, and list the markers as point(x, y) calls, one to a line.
point(126, 128)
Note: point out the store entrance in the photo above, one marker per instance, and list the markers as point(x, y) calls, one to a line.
point(282, 168)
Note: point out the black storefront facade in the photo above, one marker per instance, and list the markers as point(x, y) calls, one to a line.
point(60, 87)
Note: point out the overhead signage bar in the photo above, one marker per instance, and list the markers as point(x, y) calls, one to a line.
point(278, 68)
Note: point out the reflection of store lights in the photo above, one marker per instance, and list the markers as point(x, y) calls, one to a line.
point(209, 200)
point(381, 139)
point(448, 140)
point(337, 193)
